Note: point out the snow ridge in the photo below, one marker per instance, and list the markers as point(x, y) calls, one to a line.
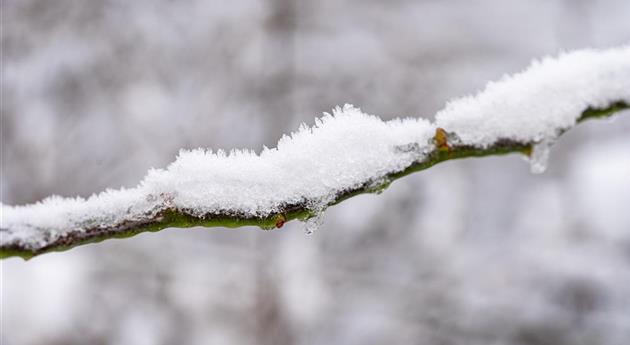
point(342, 151)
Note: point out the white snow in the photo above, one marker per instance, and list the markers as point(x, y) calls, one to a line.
point(546, 98)
point(341, 152)
point(344, 150)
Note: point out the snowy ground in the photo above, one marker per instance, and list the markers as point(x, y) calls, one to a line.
point(479, 251)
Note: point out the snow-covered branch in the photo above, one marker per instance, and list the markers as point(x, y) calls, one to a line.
point(344, 154)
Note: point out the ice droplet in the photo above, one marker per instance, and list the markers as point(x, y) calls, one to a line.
point(316, 208)
point(377, 186)
point(540, 156)
point(312, 224)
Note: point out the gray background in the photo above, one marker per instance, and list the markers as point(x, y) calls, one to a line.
point(94, 93)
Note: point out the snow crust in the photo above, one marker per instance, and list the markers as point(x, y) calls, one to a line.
point(342, 151)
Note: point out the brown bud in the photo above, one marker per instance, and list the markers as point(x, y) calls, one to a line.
point(280, 220)
point(441, 139)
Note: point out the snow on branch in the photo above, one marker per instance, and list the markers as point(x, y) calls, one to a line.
point(344, 154)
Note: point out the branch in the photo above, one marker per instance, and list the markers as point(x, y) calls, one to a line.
point(176, 218)
point(347, 154)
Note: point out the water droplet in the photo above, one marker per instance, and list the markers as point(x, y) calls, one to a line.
point(540, 156)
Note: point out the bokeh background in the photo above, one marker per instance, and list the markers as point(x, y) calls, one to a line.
point(94, 93)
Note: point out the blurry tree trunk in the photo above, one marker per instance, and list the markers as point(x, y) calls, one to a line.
point(278, 75)
point(276, 99)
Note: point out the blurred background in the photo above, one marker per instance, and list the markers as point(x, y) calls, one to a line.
point(94, 93)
